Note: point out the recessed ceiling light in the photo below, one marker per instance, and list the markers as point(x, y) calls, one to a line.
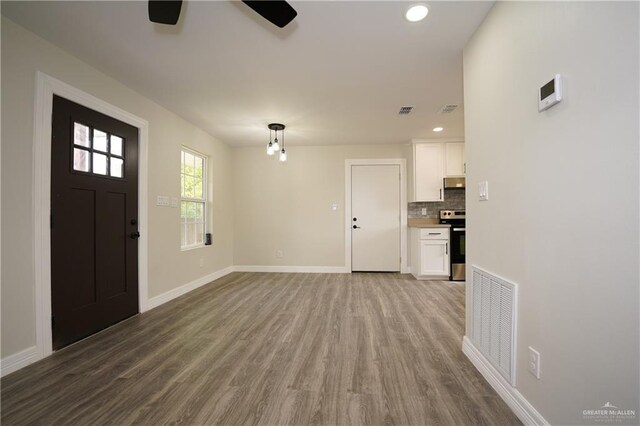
point(438, 129)
point(417, 13)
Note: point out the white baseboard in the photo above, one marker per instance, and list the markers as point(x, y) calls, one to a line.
point(163, 298)
point(302, 269)
point(514, 399)
point(18, 360)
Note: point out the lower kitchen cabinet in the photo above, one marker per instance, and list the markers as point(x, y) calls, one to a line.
point(434, 257)
point(430, 253)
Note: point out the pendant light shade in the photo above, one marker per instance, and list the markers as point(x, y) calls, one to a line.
point(275, 145)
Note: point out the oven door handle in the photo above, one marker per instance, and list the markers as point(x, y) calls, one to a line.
point(459, 229)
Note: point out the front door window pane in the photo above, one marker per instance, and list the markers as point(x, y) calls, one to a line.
point(81, 135)
point(99, 164)
point(115, 168)
point(99, 140)
point(116, 145)
point(80, 160)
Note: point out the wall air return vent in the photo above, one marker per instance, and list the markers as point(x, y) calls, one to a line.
point(493, 321)
point(405, 110)
point(447, 109)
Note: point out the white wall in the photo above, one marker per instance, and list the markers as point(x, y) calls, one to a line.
point(287, 206)
point(23, 54)
point(562, 218)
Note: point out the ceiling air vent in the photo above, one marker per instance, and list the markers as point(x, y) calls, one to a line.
point(405, 110)
point(448, 108)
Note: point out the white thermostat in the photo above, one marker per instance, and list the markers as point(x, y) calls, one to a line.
point(550, 93)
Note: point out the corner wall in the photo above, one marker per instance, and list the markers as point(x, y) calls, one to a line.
point(23, 53)
point(562, 218)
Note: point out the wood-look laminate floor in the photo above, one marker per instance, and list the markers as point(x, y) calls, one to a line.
point(254, 348)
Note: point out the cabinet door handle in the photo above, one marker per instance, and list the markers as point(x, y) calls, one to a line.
point(440, 194)
point(465, 168)
point(446, 248)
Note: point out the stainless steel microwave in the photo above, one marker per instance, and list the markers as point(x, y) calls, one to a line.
point(454, 182)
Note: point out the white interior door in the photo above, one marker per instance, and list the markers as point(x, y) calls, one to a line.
point(375, 211)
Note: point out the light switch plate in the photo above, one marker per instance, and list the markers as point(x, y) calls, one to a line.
point(483, 190)
point(334, 206)
point(162, 200)
point(424, 211)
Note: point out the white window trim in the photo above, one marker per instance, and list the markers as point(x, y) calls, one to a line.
point(204, 200)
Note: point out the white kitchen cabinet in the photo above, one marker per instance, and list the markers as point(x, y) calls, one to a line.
point(428, 163)
point(434, 257)
point(430, 257)
point(454, 159)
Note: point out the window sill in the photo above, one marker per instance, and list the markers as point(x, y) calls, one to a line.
point(189, 248)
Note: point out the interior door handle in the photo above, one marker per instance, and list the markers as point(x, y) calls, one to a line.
point(356, 227)
point(134, 235)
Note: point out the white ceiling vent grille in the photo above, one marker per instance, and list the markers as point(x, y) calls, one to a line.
point(405, 110)
point(493, 320)
point(448, 109)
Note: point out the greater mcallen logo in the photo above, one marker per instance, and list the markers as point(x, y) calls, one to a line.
point(609, 413)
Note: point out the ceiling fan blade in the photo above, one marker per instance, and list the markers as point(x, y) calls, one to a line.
point(278, 12)
point(164, 11)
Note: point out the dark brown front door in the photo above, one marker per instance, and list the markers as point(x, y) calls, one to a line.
point(94, 213)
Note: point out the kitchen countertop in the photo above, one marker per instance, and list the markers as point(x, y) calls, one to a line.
point(419, 222)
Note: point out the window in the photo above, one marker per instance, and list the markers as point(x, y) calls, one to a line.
point(193, 198)
point(97, 152)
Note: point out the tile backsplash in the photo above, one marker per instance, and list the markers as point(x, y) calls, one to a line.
point(453, 200)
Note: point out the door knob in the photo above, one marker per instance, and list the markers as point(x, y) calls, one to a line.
point(134, 235)
point(356, 227)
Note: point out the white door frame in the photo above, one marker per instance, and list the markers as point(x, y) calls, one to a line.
point(403, 206)
point(46, 87)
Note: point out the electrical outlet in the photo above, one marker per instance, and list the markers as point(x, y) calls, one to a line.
point(279, 254)
point(534, 362)
point(334, 206)
point(424, 211)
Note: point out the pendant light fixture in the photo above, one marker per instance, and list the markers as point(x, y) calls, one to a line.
point(270, 149)
point(275, 145)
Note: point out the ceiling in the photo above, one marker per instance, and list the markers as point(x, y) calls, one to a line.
point(338, 74)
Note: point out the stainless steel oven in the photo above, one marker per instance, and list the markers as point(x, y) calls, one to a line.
point(456, 218)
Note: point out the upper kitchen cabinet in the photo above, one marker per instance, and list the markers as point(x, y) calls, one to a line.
point(428, 163)
point(455, 164)
point(432, 161)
